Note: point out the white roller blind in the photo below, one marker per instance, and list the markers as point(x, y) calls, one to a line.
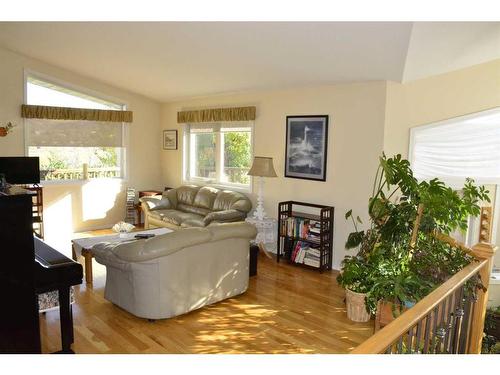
point(73, 133)
point(452, 150)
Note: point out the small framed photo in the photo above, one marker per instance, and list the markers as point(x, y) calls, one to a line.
point(306, 147)
point(170, 139)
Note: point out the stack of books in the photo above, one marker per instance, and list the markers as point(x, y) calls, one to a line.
point(130, 206)
point(305, 253)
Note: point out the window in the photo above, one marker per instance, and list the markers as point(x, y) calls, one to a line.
point(455, 149)
point(73, 149)
point(218, 153)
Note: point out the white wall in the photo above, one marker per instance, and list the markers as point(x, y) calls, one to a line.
point(356, 126)
point(81, 207)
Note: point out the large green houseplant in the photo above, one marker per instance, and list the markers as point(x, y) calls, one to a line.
point(400, 259)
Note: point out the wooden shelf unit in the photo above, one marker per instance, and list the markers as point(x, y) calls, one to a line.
point(323, 240)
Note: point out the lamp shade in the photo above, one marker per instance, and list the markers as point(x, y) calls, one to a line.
point(262, 167)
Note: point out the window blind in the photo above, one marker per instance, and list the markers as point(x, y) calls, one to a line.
point(452, 150)
point(211, 127)
point(73, 133)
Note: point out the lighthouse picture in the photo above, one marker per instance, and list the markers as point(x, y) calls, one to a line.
point(306, 146)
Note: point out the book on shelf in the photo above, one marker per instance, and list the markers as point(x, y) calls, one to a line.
point(304, 253)
point(312, 262)
point(300, 228)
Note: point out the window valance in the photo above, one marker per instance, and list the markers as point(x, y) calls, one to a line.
point(65, 113)
point(217, 114)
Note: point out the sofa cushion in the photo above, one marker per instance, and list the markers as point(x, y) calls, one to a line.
point(225, 216)
point(171, 195)
point(163, 204)
point(225, 200)
point(178, 217)
point(196, 223)
point(159, 214)
point(205, 197)
point(193, 209)
point(186, 194)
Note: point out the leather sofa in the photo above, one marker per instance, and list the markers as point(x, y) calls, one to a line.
point(194, 206)
point(177, 272)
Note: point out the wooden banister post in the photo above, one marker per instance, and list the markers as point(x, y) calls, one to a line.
point(481, 251)
point(416, 227)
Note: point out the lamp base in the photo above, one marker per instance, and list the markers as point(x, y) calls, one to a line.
point(259, 213)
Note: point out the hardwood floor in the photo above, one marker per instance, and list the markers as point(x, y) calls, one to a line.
point(285, 310)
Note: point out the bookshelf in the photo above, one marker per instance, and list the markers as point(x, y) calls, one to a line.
point(305, 239)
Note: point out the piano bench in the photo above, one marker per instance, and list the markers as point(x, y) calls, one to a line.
point(50, 300)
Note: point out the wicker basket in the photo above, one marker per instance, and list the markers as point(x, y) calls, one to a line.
point(356, 308)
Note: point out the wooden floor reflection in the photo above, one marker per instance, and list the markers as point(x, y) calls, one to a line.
point(286, 309)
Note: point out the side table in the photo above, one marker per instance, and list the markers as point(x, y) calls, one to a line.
point(137, 206)
point(267, 232)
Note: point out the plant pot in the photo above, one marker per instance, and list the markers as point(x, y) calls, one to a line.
point(385, 313)
point(3, 132)
point(356, 306)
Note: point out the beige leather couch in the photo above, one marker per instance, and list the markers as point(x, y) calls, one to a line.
point(194, 206)
point(177, 272)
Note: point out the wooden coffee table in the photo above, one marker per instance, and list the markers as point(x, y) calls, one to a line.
point(83, 247)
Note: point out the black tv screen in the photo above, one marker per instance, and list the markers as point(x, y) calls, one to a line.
point(20, 169)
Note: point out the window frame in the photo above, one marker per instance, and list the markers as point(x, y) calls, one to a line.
point(27, 73)
point(186, 146)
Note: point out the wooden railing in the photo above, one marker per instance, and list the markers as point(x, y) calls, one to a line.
point(83, 173)
point(448, 320)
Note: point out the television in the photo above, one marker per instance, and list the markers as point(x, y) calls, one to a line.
point(20, 169)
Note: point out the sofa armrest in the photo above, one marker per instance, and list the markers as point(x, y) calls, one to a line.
point(156, 202)
point(103, 254)
point(117, 254)
point(225, 216)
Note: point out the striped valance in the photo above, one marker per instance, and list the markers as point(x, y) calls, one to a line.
point(217, 114)
point(64, 113)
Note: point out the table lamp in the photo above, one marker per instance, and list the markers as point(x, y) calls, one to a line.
point(261, 167)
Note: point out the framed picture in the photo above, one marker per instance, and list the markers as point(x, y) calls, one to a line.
point(170, 139)
point(306, 147)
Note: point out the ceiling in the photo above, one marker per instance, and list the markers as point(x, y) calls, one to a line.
point(169, 61)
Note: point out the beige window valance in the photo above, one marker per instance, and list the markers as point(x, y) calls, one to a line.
point(65, 113)
point(217, 114)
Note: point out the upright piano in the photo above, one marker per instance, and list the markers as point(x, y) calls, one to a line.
point(55, 271)
point(28, 266)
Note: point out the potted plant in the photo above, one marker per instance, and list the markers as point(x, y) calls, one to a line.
point(352, 278)
point(401, 256)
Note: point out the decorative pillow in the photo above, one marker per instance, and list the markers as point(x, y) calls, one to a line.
point(155, 203)
point(162, 204)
